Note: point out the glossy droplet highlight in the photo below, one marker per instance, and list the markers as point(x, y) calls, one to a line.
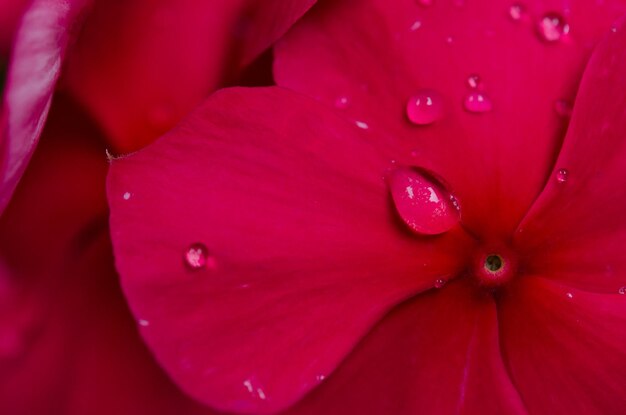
point(422, 202)
point(440, 282)
point(342, 102)
point(473, 81)
point(517, 11)
point(425, 107)
point(621, 290)
point(561, 175)
point(552, 27)
point(477, 102)
point(197, 257)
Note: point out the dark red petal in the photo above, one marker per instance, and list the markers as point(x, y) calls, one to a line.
point(576, 231)
point(34, 69)
point(369, 58)
point(141, 66)
point(68, 344)
point(565, 347)
point(295, 250)
point(437, 354)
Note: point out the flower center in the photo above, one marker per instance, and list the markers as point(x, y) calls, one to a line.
point(494, 268)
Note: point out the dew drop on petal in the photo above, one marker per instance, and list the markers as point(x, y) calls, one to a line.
point(563, 108)
point(362, 125)
point(416, 25)
point(473, 81)
point(517, 11)
point(197, 256)
point(569, 295)
point(342, 102)
point(621, 290)
point(143, 323)
point(561, 175)
point(440, 282)
point(422, 201)
point(126, 196)
point(552, 27)
point(425, 107)
point(477, 102)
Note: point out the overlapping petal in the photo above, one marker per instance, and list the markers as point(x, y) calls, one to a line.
point(305, 250)
point(565, 347)
point(576, 232)
point(141, 66)
point(437, 354)
point(368, 59)
point(37, 56)
point(68, 343)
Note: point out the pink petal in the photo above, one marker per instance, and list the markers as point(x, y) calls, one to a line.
point(565, 347)
point(34, 69)
point(437, 354)
point(75, 346)
point(10, 17)
point(369, 59)
point(576, 232)
point(286, 206)
point(140, 66)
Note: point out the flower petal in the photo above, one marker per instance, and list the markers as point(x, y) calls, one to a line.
point(141, 66)
point(68, 343)
point(10, 16)
point(565, 347)
point(34, 69)
point(368, 59)
point(576, 232)
point(436, 354)
point(292, 248)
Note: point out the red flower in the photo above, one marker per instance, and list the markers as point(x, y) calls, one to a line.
point(281, 252)
point(68, 344)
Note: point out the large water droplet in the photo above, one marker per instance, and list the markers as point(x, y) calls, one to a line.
point(422, 202)
point(561, 175)
point(197, 257)
point(552, 27)
point(425, 107)
point(477, 102)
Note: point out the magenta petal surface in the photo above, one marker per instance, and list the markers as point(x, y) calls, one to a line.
point(498, 81)
point(437, 354)
point(141, 66)
point(33, 72)
point(10, 17)
point(565, 347)
point(576, 232)
point(306, 252)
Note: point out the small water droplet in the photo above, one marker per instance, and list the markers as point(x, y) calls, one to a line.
point(320, 378)
point(449, 40)
point(570, 295)
point(342, 102)
point(563, 108)
point(552, 27)
point(561, 175)
point(614, 29)
point(197, 257)
point(425, 3)
point(517, 11)
point(477, 102)
point(362, 125)
point(422, 201)
point(143, 323)
point(473, 81)
point(621, 290)
point(416, 25)
point(425, 107)
point(440, 282)
point(126, 196)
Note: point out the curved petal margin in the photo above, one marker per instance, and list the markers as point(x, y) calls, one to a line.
point(258, 243)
